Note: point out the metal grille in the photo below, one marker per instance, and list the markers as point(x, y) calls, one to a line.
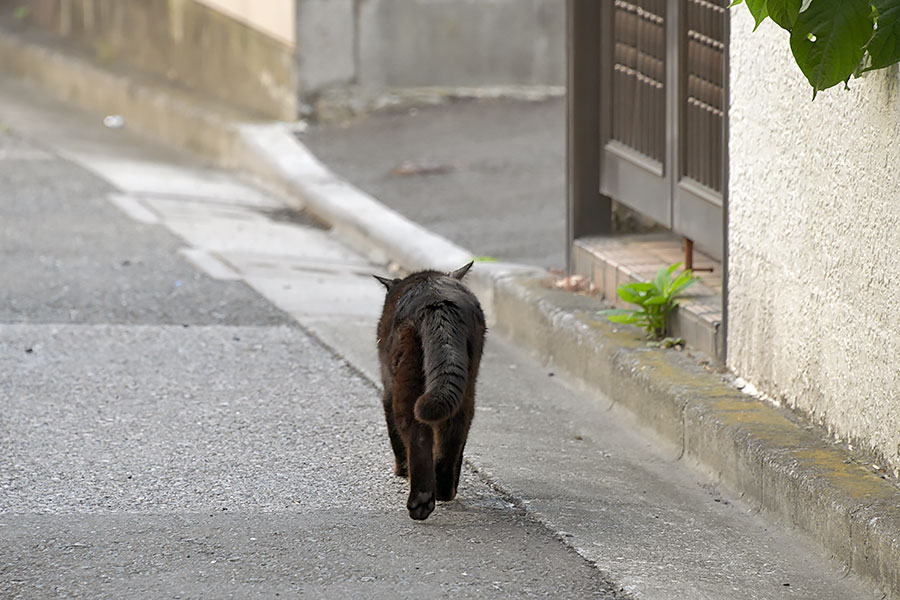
point(638, 115)
point(703, 102)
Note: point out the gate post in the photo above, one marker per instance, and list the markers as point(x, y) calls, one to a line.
point(588, 212)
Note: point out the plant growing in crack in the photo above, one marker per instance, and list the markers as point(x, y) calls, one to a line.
point(655, 299)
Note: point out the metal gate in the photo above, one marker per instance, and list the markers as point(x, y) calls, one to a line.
point(662, 112)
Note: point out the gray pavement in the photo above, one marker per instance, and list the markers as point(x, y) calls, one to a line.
point(242, 454)
point(168, 434)
point(69, 257)
point(488, 175)
point(152, 461)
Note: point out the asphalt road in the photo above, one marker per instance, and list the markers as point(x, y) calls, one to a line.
point(488, 175)
point(166, 434)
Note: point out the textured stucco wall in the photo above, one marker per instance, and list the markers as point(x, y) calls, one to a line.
point(814, 239)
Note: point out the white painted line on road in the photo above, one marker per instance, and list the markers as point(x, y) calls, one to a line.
point(132, 207)
point(210, 264)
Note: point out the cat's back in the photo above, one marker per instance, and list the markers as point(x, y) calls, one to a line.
point(427, 291)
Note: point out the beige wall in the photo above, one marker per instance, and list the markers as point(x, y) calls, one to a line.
point(201, 48)
point(273, 17)
point(814, 239)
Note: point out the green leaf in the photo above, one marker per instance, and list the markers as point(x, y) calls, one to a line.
point(628, 295)
point(669, 280)
point(686, 274)
point(784, 12)
point(828, 40)
point(661, 281)
point(640, 287)
point(683, 287)
point(655, 301)
point(758, 10)
point(628, 319)
point(884, 47)
point(683, 281)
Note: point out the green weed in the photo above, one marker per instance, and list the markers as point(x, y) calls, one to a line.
point(656, 299)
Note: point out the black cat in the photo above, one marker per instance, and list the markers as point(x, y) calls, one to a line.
point(430, 338)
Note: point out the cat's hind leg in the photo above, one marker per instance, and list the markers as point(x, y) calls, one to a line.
point(400, 464)
point(418, 438)
point(452, 436)
point(421, 470)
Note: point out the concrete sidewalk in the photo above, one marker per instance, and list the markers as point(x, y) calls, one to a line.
point(172, 424)
point(777, 463)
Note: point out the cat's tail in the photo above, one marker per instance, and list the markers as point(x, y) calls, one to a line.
point(445, 363)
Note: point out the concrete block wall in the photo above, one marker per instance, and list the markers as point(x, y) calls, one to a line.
point(461, 42)
point(380, 44)
point(326, 45)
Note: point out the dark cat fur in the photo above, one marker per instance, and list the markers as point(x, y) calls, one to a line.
point(430, 338)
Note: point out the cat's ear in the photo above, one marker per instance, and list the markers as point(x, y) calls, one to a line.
point(461, 272)
point(387, 283)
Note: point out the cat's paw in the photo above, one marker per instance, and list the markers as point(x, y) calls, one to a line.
point(420, 505)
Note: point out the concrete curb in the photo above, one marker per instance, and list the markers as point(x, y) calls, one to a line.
point(765, 453)
point(788, 467)
point(273, 153)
